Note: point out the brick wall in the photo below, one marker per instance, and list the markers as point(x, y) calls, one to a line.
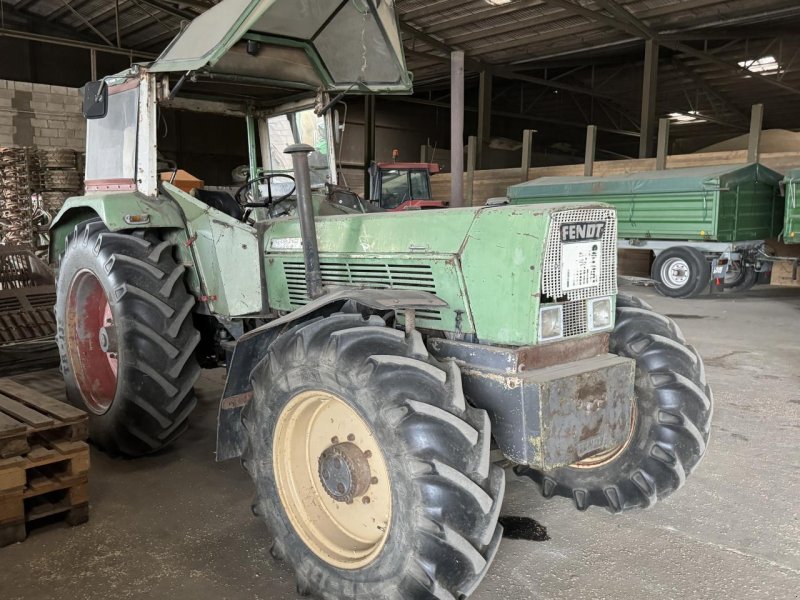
point(35, 114)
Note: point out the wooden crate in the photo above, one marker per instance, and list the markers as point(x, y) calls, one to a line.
point(28, 417)
point(50, 479)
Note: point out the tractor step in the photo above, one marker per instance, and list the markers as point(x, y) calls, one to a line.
point(50, 479)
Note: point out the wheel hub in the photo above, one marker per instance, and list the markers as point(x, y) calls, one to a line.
point(344, 472)
point(675, 273)
point(332, 479)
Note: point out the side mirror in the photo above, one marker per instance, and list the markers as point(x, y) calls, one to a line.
point(95, 100)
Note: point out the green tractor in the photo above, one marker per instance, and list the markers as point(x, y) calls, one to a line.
point(381, 367)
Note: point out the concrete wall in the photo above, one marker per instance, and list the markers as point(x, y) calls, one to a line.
point(37, 114)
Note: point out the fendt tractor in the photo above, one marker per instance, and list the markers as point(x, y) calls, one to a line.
point(382, 367)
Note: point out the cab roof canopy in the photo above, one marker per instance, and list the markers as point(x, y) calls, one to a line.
point(263, 48)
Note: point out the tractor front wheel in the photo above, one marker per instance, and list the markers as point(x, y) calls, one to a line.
point(126, 338)
point(670, 423)
point(371, 471)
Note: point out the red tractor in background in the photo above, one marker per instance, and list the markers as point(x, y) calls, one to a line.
point(399, 186)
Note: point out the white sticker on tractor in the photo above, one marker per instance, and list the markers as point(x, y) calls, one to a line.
point(286, 244)
point(580, 265)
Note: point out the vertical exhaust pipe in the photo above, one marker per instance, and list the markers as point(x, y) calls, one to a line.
point(308, 229)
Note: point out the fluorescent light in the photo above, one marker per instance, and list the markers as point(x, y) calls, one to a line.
point(680, 118)
point(765, 64)
point(498, 2)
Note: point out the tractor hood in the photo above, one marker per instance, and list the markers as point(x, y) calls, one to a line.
point(333, 45)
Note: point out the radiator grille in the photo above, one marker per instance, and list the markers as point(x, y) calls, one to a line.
point(373, 275)
point(551, 269)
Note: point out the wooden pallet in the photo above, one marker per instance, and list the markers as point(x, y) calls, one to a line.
point(50, 479)
point(28, 417)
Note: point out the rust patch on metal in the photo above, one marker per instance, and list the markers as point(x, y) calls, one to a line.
point(236, 401)
point(548, 355)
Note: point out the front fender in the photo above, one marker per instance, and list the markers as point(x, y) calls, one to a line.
point(252, 347)
point(118, 211)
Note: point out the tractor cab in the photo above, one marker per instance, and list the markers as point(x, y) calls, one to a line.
point(403, 186)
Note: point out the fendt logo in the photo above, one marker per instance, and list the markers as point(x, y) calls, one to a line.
point(579, 232)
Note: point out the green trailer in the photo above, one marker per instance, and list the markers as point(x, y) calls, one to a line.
point(702, 224)
point(791, 223)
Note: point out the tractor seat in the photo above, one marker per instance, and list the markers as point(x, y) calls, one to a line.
point(222, 201)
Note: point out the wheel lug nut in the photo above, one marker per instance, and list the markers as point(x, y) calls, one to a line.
point(334, 440)
point(374, 480)
point(365, 500)
point(340, 488)
point(351, 437)
point(367, 454)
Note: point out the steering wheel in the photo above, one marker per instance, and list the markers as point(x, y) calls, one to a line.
point(268, 177)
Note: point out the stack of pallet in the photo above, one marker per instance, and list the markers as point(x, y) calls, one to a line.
point(19, 178)
point(61, 178)
point(44, 461)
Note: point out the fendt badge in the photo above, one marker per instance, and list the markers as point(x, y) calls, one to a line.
point(581, 232)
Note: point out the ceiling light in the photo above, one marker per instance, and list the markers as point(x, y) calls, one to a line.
point(680, 118)
point(765, 64)
point(498, 2)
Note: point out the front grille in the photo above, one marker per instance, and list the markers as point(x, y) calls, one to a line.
point(575, 301)
point(551, 269)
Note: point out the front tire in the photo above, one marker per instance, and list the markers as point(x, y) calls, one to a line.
point(126, 338)
point(390, 493)
point(670, 427)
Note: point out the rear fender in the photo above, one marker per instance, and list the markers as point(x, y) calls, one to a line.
point(118, 211)
point(252, 347)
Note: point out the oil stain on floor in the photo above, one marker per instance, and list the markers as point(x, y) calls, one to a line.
point(523, 528)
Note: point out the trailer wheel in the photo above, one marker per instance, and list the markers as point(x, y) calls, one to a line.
point(126, 337)
point(741, 278)
point(669, 428)
point(681, 272)
point(371, 471)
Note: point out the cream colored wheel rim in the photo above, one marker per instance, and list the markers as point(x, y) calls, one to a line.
point(607, 456)
point(332, 479)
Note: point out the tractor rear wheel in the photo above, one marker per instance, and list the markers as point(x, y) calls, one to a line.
point(126, 337)
point(670, 423)
point(371, 471)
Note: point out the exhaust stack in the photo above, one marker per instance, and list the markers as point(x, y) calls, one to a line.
point(308, 230)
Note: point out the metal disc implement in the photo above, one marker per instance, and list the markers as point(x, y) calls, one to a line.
point(332, 479)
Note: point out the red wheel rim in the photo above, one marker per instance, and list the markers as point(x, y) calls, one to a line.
point(88, 318)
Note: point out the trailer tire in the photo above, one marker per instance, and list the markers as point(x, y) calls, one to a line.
point(670, 430)
point(126, 337)
point(681, 272)
point(746, 277)
point(434, 494)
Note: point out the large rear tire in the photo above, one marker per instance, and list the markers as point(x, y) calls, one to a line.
point(126, 338)
point(389, 492)
point(669, 428)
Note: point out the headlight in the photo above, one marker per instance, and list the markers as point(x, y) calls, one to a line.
point(551, 322)
point(599, 313)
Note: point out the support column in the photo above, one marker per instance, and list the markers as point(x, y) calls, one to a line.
point(472, 145)
point(754, 139)
point(662, 150)
point(527, 151)
point(591, 149)
point(649, 81)
point(369, 141)
point(93, 63)
point(484, 115)
point(457, 128)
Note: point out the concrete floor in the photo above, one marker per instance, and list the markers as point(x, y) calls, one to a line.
point(178, 525)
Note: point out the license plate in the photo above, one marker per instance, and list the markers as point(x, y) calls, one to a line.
point(580, 265)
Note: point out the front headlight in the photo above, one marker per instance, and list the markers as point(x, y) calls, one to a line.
point(551, 322)
point(599, 313)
